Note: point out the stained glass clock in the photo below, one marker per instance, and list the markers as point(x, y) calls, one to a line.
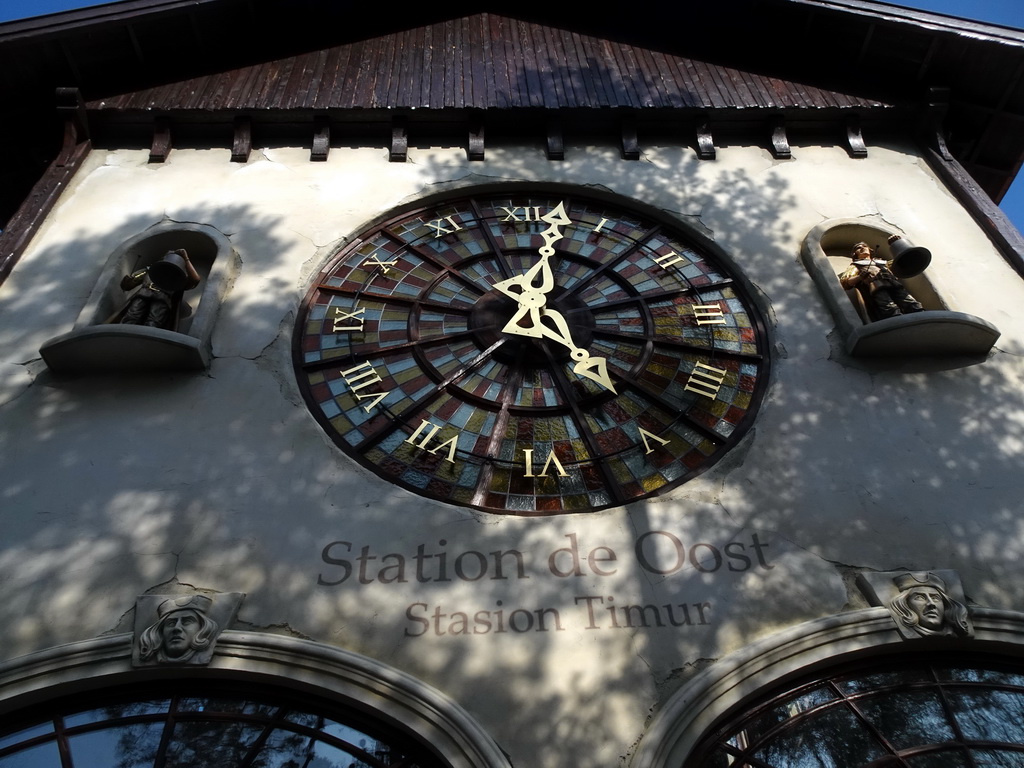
point(531, 353)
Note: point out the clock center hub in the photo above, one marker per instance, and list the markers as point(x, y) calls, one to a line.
point(494, 309)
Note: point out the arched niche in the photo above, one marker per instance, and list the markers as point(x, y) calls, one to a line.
point(99, 343)
point(263, 662)
point(941, 331)
point(736, 681)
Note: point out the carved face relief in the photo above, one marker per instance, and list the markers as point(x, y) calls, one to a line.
point(180, 629)
point(922, 603)
point(178, 632)
point(927, 604)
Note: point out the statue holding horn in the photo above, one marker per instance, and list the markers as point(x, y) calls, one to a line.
point(156, 303)
point(878, 281)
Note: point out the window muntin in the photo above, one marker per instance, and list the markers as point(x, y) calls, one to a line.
point(194, 728)
point(920, 714)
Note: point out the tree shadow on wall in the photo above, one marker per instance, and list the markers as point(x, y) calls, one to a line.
point(224, 482)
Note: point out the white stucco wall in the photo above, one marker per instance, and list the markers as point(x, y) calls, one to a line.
point(113, 486)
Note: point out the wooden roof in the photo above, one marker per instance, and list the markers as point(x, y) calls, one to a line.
point(484, 61)
point(733, 59)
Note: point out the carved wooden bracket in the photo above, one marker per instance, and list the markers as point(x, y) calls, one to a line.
point(476, 138)
point(71, 107)
point(241, 146)
point(780, 143)
point(399, 152)
point(705, 142)
point(161, 146)
point(630, 138)
point(938, 106)
point(25, 222)
point(321, 139)
point(854, 140)
point(555, 140)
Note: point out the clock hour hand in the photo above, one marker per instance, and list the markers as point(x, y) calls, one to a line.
point(546, 323)
point(553, 326)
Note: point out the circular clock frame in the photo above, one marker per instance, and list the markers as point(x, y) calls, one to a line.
point(531, 351)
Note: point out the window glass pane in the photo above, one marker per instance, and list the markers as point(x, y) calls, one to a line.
point(222, 731)
point(994, 758)
point(720, 759)
point(872, 682)
point(133, 746)
point(116, 711)
point(210, 743)
point(909, 705)
point(908, 719)
point(991, 676)
point(285, 749)
point(26, 734)
point(230, 706)
point(306, 719)
point(990, 715)
point(326, 756)
point(945, 759)
point(40, 756)
point(760, 725)
point(346, 733)
point(832, 739)
point(362, 741)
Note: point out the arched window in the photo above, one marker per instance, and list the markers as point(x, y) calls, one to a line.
point(191, 725)
point(917, 713)
point(264, 701)
point(848, 691)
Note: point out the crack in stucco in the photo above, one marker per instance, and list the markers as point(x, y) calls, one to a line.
point(279, 628)
point(678, 677)
point(184, 222)
point(15, 390)
point(638, 653)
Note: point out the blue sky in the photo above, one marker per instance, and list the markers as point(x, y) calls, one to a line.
point(1006, 12)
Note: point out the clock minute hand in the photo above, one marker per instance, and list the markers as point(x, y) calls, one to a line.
point(555, 218)
point(522, 288)
point(530, 291)
point(532, 286)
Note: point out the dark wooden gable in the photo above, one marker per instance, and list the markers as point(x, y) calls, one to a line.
point(485, 61)
point(755, 55)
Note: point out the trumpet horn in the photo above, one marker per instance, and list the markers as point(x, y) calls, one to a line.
point(908, 260)
point(171, 273)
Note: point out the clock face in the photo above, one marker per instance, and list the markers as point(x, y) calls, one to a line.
point(530, 354)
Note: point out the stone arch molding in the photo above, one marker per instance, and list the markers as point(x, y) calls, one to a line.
point(285, 662)
point(96, 344)
point(939, 332)
point(682, 721)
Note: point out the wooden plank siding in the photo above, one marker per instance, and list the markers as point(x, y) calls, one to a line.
point(483, 61)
